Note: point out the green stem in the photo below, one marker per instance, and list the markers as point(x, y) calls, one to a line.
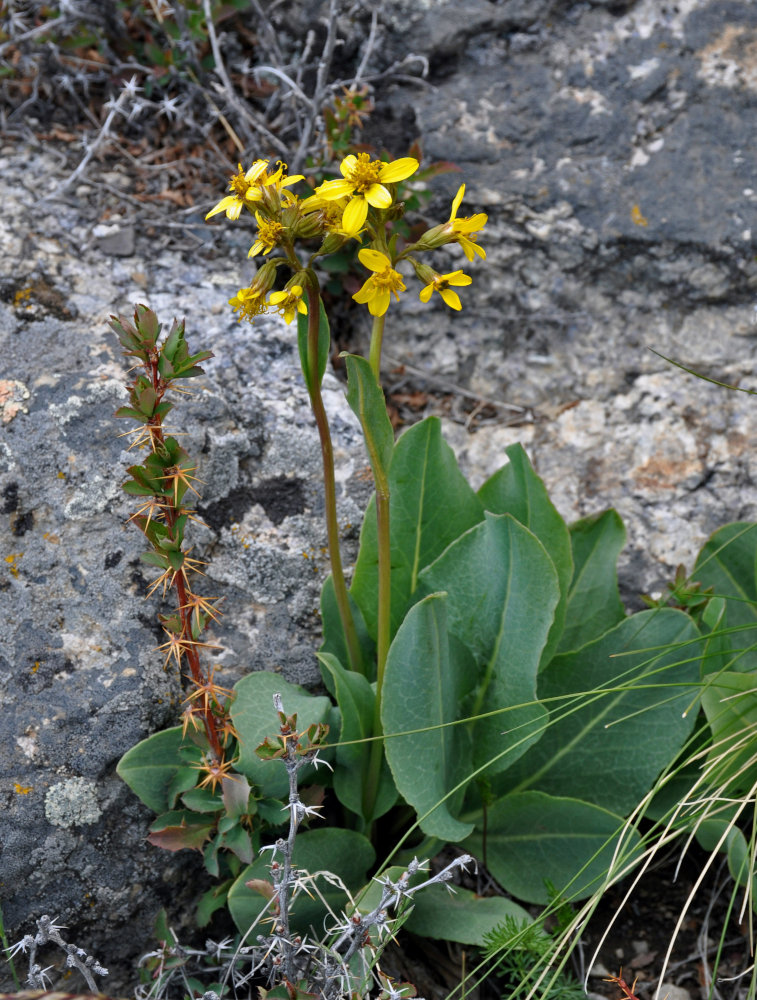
point(377, 336)
point(329, 486)
point(382, 645)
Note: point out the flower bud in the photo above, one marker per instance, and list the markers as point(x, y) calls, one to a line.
point(434, 238)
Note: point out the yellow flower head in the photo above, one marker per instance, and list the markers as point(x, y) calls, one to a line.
point(376, 292)
point(441, 282)
point(269, 235)
point(289, 302)
point(465, 231)
point(250, 302)
point(249, 188)
point(363, 184)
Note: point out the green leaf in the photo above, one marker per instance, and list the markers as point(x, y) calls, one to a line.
point(503, 590)
point(202, 800)
point(517, 490)
point(431, 505)
point(324, 344)
point(238, 840)
point(460, 915)
point(424, 684)
point(254, 718)
point(180, 830)
point(153, 767)
point(534, 840)
point(616, 712)
point(721, 833)
point(356, 699)
point(727, 564)
point(366, 400)
point(212, 900)
point(342, 852)
point(729, 700)
point(334, 641)
point(594, 604)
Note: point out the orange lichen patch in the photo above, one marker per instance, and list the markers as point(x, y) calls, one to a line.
point(22, 789)
point(12, 395)
point(12, 559)
point(660, 473)
point(637, 216)
point(730, 60)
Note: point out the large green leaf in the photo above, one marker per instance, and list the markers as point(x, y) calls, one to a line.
point(341, 852)
point(424, 685)
point(503, 590)
point(460, 915)
point(356, 699)
point(729, 700)
point(536, 840)
point(334, 641)
point(727, 564)
point(594, 604)
point(431, 505)
point(722, 833)
point(516, 489)
point(255, 718)
point(156, 771)
point(616, 712)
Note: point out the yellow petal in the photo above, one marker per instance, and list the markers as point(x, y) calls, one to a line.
point(301, 307)
point(348, 163)
point(374, 260)
point(398, 170)
point(331, 190)
point(458, 278)
point(256, 170)
point(256, 248)
point(354, 216)
point(425, 293)
point(451, 298)
point(222, 205)
point(457, 201)
point(378, 196)
point(379, 303)
point(365, 294)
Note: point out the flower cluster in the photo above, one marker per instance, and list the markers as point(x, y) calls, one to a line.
point(361, 205)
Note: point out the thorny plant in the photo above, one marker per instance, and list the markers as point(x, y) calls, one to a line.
point(162, 485)
point(345, 963)
point(48, 932)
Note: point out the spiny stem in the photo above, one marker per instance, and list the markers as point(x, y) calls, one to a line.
point(184, 609)
point(329, 485)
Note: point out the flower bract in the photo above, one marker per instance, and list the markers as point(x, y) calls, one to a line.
point(376, 292)
point(441, 284)
point(364, 183)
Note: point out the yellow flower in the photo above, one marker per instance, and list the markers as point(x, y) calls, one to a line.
point(289, 302)
point(441, 282)
point(376, 292)
point(248, 188)
point(269, 235)
point(465, 231)
point(250, 302)
point(363, 183)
